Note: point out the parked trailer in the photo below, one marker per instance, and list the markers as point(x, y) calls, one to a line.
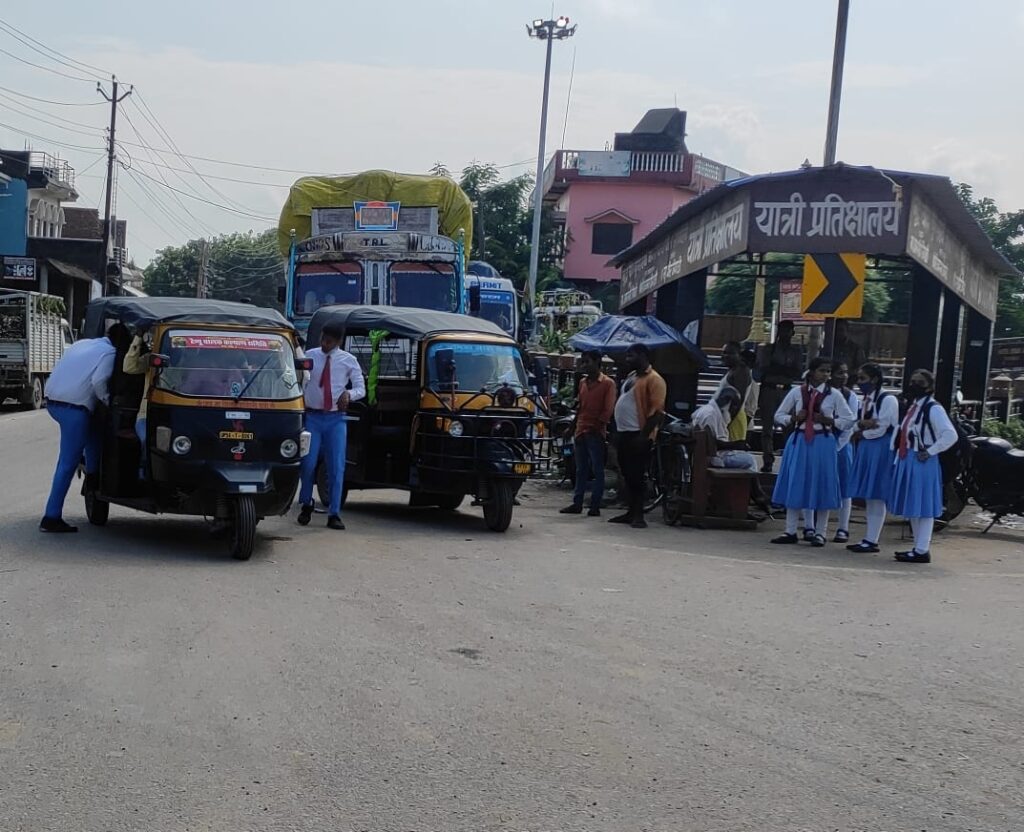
point(33, 336)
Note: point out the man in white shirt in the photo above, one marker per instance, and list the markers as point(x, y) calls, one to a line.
point(78, 383)
point(335, 381)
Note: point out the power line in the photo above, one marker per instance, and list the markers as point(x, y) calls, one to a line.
point(16, 107)
point(157, 202)
point(207, 201)
point(50, 101)
point(148, 216)
point(46, 68)
point(22, 132)
point(61, 58)
point(219, 178)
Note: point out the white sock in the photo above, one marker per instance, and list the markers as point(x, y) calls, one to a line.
point(822, 526)
point(792, 520)
point(844, 514)
point(876, 520)
point(923, 534)
point(808, 518)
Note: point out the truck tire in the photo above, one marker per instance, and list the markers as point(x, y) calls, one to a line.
point(32, 398)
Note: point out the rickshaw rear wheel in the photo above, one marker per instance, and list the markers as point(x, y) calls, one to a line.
point(97, 510)
point(498, 507)
point(450, 502)
point(243, 528)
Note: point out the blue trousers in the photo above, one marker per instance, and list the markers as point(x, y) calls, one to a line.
point(78, 438)
point(329, 432)
point(589, 453)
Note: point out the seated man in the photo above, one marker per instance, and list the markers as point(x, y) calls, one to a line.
point(715, 417)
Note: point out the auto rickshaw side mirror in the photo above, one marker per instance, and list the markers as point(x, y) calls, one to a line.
point(304, 365)
point(158, 360)
point(474, 298)
point(281, 294)
point(444, 367)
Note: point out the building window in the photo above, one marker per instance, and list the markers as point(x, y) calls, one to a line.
point(611, 237)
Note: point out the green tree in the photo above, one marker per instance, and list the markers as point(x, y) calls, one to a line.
point(239, 266)
point(1006, 231)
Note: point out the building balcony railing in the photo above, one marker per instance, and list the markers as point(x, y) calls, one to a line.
point(688, 170)
point(57, 169)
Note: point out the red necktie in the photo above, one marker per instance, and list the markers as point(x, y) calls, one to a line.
point(904, 445)
point(812, 400)
point(325, 384)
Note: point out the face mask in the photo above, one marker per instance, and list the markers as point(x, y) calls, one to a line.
point(866, 387)
point(918, 390)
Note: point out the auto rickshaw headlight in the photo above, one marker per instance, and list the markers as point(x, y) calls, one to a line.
point(181, 445)
point(289, 448)
point(456, 428)
point(304, 440)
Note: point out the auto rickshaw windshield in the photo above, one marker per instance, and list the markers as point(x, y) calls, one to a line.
point(472, 367)
point(229, 365)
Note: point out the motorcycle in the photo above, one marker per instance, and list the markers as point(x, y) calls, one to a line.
point(563, 427)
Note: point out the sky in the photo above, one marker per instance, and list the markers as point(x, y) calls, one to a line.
point(332, 86)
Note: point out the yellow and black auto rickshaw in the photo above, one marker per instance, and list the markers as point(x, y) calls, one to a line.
point(221, 397)
point(448, 412)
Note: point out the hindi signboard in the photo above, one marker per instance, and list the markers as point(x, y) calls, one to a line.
point(604, 163)
point(19, 268)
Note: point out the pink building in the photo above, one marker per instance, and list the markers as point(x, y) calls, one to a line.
point(609, 199)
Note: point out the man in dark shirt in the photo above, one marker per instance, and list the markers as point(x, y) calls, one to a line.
point(597, 401)
point(845, 350)
point(779, 365)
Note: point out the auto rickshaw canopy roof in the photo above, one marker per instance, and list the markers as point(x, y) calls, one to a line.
point(400, 321)
point(146, 311)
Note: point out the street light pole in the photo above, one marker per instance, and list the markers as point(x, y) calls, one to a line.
point(549, 30)
point(838, 60)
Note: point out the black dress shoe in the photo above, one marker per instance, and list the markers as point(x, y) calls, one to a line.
point(622, 518)
point(865, 547)
point(639, 523)
point(573, 509)
point(808, 535)
point(818, 541)
point(594, 512)
point(913, 556)
point(305, 513)
point(786, 540)
point(334, 522)
point(55, 525)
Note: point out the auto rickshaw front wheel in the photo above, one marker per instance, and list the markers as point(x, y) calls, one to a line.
point(498, 505)
point(243, 528)
point(97, 510)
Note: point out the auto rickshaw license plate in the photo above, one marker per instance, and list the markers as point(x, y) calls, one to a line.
point(236, 434)
point(521, 468)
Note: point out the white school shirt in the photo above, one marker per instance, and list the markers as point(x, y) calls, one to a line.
point(843, 436)
point(945, 434)
point(833, 406)
point(345, 370)
point(82, 374)
point(888, 414)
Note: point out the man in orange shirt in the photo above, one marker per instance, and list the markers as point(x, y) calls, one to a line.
point(638, 415)
point(597, 401)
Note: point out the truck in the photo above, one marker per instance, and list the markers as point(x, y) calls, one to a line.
point(33, 337)
point(492, 297)
point(378, 237)
point(566, 311)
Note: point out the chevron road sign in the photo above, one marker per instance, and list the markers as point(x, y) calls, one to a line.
point(834, 285)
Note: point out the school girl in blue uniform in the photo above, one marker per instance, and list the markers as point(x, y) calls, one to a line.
point(925, 432)
point(871, 478)
point(839, 382)
point(809, 475)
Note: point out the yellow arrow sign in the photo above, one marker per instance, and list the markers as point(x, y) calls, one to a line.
point(834, 285)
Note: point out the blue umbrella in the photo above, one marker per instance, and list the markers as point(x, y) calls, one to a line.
point(614, 334)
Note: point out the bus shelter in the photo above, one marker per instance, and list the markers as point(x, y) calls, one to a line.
point(909, 223)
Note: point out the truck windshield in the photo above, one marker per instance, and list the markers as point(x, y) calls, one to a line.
point(229, 365)
point(499, 308)
point(423, 287)
point(477, 366)
point(314, 289)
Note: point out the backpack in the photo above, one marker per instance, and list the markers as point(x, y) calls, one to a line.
point(953, 459)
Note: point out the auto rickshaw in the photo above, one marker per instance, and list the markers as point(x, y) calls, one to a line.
point(448, 412)
point(223, 432)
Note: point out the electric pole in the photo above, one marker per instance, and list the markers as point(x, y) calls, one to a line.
point(114, 100)
point(838, 60)
point(202, 287)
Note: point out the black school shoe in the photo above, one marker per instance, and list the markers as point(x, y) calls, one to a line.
point(334, 522)
point(622, 518)
point(913, 556)
point(594, 512)
point(865, 547)
point(808, 535)
point(818, 541)
point(786, 540)
point(56, 525)
point(305, 513)
point(573, 509)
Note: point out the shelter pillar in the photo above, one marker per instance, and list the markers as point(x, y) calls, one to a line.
point(949, 335)
point(680, 304)
point(925, 310)
point(977, 355)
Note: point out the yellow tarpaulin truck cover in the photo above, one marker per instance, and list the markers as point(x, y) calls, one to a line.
point(454, 210)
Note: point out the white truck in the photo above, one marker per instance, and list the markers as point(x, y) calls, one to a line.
point(33, 336)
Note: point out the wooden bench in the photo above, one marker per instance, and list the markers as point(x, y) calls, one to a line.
point(719, 497)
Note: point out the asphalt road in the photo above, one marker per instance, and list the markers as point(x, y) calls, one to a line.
point(418, 672)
